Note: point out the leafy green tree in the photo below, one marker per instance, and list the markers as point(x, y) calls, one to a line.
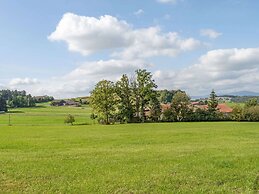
point(252, 113)
point(104, 100)
point(237, 113)
point(3, 106)
point(93, 117)
point(212, 102)
point(144, 86)
point(70, 119)
point(124, 92)
point(251, 102)
point(181, 106)
point(167, 115)
point(154, 107)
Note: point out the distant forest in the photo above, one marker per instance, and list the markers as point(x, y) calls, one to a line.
point(18, 99)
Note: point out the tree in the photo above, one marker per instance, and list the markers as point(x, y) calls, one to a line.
point(251, 102)
point(70, 119)
point(144, 86)
point(252, 113)
point(93, 117)
point(104, 100)
point(212, 102)
point(181, 106)
point(154, 107)
point(3, 106)
point(237, 113)
point(124, 92)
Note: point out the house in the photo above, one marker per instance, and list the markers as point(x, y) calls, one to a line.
point(223, 108)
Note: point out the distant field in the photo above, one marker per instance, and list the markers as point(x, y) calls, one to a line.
point(135, 158)
point(43, 114)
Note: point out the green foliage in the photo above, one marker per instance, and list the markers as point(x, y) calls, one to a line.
point(125, 102)
point(154, 108)
point(212, 102)
point(251, 102)
point(166, 96)
point(252, 113)
point(144, 86)
point(237, 113)
point(70, 119)
point(15, 99)
point(104, 100)
point(40, 99)
point(168, 115)
point(3, 106)
point(181, 106)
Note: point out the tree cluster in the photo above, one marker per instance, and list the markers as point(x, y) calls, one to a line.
point(15, 99)
point(248, 112)
point(127, 100)
point(137, 100)
point(40, 99)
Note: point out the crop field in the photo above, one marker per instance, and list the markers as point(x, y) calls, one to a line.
point(40, 154)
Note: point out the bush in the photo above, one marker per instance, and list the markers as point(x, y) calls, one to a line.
point(70, 119)
point(252, 113)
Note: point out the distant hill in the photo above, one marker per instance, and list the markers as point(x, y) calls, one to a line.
point(243, 93)
point(233, 94)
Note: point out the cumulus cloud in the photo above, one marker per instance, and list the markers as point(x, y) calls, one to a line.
point(107, 69)
point(23, 81)
point(167, 1)
point(225, 70)
point(210, 33)
point(81, 80)
point(139, 12)
point(88, 35)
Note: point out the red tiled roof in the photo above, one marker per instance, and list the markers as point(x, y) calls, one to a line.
point(224, 108)
point(221, 107)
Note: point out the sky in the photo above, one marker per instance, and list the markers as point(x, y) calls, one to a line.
point(64, 47)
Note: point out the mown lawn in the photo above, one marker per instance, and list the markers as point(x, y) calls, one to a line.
point(136, 158)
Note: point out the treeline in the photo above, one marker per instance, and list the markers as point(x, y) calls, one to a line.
point(137, 100)
point(248, 112)
point(243, 99)
point(45, 98)
point(18, 99)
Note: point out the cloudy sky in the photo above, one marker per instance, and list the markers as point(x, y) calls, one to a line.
point(63, 47)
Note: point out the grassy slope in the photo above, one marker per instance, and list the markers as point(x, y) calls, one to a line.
point(142, 158)
point(44, 114)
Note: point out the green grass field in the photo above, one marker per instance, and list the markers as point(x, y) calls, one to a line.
point(51, 157)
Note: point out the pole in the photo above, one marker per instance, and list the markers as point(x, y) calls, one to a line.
point(9, 120)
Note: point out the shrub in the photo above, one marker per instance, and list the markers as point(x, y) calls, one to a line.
point(70, 119)
point(252, 113)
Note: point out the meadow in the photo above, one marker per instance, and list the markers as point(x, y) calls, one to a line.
point(40, 154)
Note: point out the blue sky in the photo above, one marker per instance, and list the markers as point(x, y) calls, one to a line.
point(187, 44)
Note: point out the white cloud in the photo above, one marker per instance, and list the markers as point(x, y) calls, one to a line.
point(23, 81)
point(210, 33)
point(225, 70)
point(81, 80)
point(88, 35)
point(106, 69)
point(167, 1)
point(139, 12)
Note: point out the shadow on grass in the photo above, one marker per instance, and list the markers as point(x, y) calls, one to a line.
point(79, 124)
point(15, 111)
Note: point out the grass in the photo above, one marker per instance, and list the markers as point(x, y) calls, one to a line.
point(137, 158)
point(43, 114)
